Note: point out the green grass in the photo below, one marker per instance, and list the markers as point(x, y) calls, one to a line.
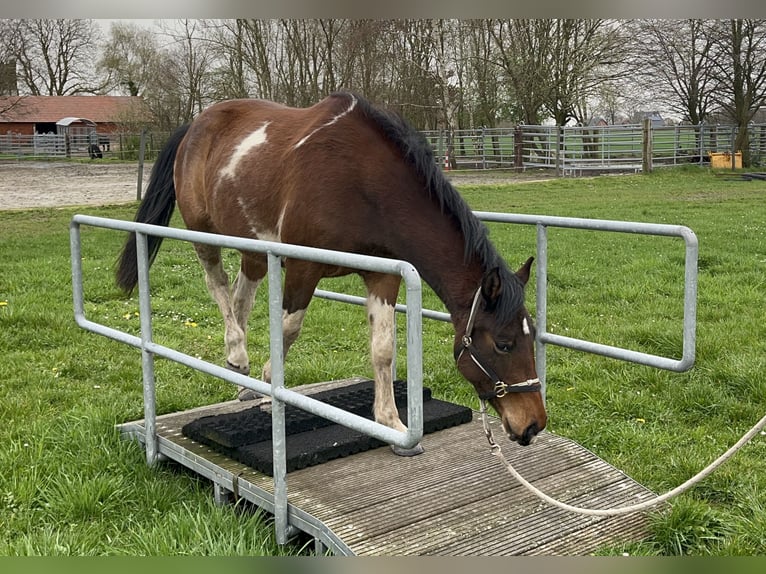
point(71, 485)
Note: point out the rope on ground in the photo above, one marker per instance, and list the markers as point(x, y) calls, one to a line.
point(495, 449)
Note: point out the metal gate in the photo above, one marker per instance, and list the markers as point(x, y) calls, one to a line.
point(412, 307)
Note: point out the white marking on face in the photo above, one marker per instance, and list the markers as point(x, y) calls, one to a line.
point(329, 123)
point(525, 326)
point(252, 141)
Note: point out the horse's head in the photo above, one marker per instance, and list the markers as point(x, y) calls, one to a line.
point(496, 354)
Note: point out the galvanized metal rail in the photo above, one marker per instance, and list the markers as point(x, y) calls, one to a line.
point(284, 522)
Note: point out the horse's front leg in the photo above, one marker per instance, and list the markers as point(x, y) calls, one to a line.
point(381, 298)
point(301, 278)
point(291, 328)
point(250, 275)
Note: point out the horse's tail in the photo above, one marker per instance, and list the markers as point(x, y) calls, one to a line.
point(156, 208)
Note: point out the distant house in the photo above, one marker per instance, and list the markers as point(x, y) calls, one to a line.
point(656, 117)
point(29, 115)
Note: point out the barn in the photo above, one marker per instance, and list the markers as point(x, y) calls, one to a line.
point(53, 126)
point(28, 115)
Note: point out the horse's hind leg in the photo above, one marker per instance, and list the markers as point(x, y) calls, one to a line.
point(382, 290)
point(218, 284)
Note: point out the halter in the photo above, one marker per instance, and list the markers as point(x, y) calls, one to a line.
point(500, 388)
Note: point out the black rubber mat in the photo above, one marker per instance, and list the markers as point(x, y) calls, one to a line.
point(245, 436)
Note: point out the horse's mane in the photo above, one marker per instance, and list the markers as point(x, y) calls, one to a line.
point(418, 153)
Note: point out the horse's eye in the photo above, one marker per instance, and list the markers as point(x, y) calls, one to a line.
point(503, 347)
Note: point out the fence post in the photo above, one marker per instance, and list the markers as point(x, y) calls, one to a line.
point(646, 147)
point(518, 149)
point(558, 150)
point(141, 151)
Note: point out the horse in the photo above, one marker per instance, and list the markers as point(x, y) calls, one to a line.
point(348, 176)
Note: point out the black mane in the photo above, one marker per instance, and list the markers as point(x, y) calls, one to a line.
point(418, 153)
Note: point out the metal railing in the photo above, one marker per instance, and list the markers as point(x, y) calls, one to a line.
point(277, 390)
point(412, 308)
point(542, 223)
point(572, 150)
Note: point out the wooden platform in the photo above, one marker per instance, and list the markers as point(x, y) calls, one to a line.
point(455, 499)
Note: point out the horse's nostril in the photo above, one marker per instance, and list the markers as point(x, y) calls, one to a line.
point(529, 434)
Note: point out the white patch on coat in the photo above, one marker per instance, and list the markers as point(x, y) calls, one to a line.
point(328, 123)
point(525, 326)
point(291, 326)
point(382, 325)
point(252, 141)
point(259, 232)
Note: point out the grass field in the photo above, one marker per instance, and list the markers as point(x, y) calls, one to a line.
point(71, 486)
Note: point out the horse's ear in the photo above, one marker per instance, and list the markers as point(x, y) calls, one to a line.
point(491, 287)
point(524, 270)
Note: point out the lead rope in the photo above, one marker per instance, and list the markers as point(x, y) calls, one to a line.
point(497, 451)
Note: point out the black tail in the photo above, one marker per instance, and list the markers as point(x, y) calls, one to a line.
point(156, 208)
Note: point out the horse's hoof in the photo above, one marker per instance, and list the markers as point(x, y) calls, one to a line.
point(237, 369)
point(414, 451)
point(246, 394)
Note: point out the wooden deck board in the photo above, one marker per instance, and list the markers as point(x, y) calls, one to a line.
point(455, 499)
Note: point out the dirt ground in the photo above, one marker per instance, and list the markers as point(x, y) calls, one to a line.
point(26, 185)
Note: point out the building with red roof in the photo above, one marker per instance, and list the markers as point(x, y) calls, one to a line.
point(48, 114)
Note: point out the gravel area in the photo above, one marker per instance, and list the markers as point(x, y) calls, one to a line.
point(27, 185)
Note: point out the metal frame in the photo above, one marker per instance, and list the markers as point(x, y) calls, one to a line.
point(412, 308)
point(542, 223)
point(278, 392)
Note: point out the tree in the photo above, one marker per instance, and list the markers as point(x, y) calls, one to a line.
point(128, 60)
point(675, 57)
point(523, 48)
point(583, 55)
point(740, 70)
point(485, 94)
point(54, 57)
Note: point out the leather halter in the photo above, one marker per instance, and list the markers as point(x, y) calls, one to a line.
point(500, 388)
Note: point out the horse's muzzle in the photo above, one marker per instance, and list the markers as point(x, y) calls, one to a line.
point(527, 437)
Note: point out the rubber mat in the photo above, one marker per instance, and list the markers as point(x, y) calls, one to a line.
point(245, 436)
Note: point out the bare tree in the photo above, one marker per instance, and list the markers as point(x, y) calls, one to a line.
point(674, 57)
point(486, 92)
point(523, 49)
point(583, 55)
point(190, 66)
point(54, 57)
point(128, 58)
point(740, 70)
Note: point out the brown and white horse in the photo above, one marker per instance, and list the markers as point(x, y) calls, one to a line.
point(346, 176)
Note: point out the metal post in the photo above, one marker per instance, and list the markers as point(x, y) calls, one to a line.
point(646, 163)
point(414, 300)
point(278, 434)
point(147, 357)
point(541, 303)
